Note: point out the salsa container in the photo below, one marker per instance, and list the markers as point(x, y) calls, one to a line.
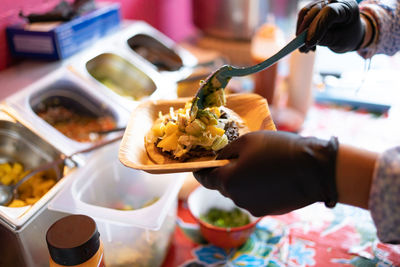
point(121, 74)
point(69, 89)
point(98, 67)
point(157, 50)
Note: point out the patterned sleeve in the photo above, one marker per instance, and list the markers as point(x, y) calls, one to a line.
point(384, 199)
point(386, 16)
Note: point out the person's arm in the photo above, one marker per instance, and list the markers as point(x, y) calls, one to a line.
point(384, 16)
point(354, 172)
point(277, 172)
point(384, 198)
point(370, 31)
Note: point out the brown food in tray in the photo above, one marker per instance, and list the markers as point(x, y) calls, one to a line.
point(79, 127)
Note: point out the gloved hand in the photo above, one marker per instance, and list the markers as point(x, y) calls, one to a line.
point(275, 172)
point(332, 23)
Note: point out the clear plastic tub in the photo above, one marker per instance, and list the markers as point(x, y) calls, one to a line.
point(133, 237)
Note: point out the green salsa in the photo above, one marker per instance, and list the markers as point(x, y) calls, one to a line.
point(224, 218)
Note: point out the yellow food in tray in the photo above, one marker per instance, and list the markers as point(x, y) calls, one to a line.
point(138, 149)
point(176, 137)
point(30, 191)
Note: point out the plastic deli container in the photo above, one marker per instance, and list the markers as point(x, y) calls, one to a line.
point(135, 211)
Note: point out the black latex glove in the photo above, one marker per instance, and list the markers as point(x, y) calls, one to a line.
point(332, 23)
point(275, 172)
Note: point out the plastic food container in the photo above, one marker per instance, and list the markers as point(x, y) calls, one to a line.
point(135, 211)
point(65, 89)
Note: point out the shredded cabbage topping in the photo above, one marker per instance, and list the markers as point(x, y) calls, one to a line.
point(177, 133)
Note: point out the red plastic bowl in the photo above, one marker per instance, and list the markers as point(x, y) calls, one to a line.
point(200, 201)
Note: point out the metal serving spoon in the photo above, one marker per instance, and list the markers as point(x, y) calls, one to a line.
point(220, 78)
point(8, 192)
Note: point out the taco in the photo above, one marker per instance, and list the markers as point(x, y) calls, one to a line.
point(178, 137)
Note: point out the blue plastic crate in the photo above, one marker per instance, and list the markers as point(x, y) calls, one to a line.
point(43, 41)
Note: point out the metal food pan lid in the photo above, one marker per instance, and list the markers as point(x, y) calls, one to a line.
point(65, 86)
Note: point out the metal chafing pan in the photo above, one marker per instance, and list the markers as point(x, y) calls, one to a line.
point(19, 144)
point(128, 77)
point(157, 50)
point(162, 57)
point(121, 76)
point(65, 89)
point(22, 228)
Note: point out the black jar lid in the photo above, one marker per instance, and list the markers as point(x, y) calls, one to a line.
point(73, 240)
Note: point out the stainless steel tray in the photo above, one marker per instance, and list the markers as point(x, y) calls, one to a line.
point(143, 35)
point(106, 62)
point(19, 144)
point(66, 86)
point(117, 66)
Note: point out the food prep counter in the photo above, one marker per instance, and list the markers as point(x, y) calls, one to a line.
point(55, 109)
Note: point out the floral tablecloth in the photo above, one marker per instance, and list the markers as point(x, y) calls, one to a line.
point(312, 236)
